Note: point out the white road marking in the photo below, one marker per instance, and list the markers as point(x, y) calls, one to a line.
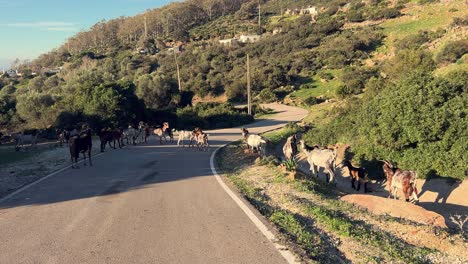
point(288, 255)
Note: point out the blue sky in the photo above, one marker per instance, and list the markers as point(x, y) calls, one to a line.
point(29, 28)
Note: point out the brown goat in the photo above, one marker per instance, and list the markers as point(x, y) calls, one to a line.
point(290, 148)
point(400, 179)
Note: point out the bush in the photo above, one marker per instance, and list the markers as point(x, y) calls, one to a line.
point(420, 122)
point(211, 116)
point(310, 101)
point(355, 16)
point(459, 21)
point(452, 51)
point(325, 75)
point(267, 96)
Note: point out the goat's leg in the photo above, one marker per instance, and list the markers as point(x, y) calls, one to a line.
point(84, 158)
point(406, 189)
point(415, 192)
point(312, 169)
point(329, 175)
point(395, 193)
point(352, 182)
point(89, 157)
point(389, 185)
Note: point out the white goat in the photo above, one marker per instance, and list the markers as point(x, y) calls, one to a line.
point(317, 157)
point(130, 134)
point(182, 135)
point(254, 141)
point(22, 139)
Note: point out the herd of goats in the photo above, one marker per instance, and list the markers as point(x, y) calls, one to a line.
point(323, 157)
point(317, 157)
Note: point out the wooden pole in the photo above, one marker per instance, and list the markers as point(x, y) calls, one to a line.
point(259, 19)
point(249, 98)
point(146, 29)
point(178, 71)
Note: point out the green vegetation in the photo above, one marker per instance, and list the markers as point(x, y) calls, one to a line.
point(420, 122)
point(276, 136)
point(351, 52)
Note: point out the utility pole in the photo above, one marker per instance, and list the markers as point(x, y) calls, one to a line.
point(259, 19)
point(178, 71)
point(249, 98)
point(146, 29)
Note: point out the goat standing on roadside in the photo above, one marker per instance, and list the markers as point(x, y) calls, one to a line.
point(290, 148)
point(194, 136)
point(254, 141)
point(21, 139)
point(161, 132)
point(404, 180)
point(182, 135)
point(317, 157)
point(357, 174)
point(202, 142)
point(130, 134)
point(82, 143)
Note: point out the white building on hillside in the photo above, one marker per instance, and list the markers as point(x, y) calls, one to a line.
point(249, 38)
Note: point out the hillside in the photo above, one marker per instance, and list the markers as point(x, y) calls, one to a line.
point(365, 54)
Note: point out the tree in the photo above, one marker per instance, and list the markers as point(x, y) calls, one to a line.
point(37, 109)
point(156, 90)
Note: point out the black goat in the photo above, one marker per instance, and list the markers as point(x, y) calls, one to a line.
point(81, 144)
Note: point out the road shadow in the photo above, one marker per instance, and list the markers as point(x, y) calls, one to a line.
point(129, 169)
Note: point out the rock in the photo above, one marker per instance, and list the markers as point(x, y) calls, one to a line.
point(396, 208)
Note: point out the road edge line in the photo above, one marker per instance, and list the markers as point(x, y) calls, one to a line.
point(286, 253)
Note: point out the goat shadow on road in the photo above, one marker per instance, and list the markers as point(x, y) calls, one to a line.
point(140, 167)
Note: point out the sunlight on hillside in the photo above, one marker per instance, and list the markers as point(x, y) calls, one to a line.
point(424, 17)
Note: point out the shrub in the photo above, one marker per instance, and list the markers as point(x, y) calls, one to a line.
point(267, 96)
point(355, 16)
point(325, 75)
point(452, 51)
point(420, 122)
point(210, 116)
point(311, 100)
point(459, 21)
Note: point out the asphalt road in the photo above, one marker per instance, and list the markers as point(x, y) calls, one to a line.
point(142, 204)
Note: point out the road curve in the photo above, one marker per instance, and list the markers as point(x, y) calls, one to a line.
point(143, 204)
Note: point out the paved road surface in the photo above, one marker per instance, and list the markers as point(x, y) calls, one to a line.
point(143, 204)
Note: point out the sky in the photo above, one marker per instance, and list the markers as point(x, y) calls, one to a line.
point(29, 28)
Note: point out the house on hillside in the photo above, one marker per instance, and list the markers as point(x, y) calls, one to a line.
point(228, 42)
point(249, 38)
point(53, 71)
point(11, 73)
point(310, 10)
